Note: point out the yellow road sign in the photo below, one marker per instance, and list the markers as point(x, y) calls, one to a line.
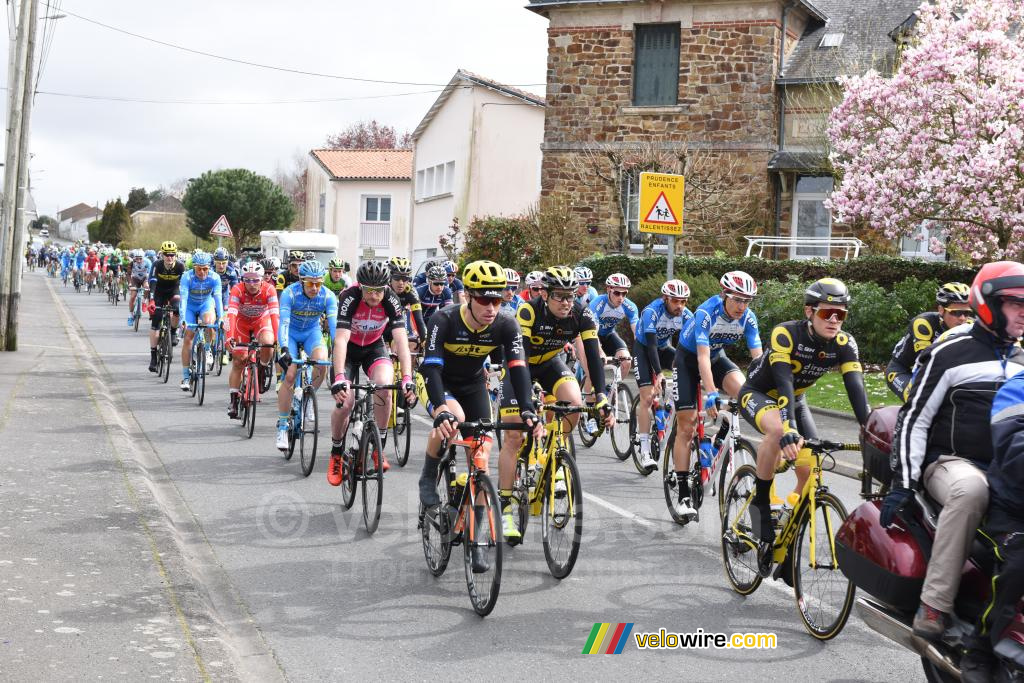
point(661, 203)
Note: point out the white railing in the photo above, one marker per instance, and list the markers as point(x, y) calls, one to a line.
point(375, 235)
point(847, 244)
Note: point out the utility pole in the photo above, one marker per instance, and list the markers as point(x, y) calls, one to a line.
point(21, 61)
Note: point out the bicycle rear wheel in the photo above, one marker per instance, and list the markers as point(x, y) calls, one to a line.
point(743, 453)
point(309, 424)
point(243, 398)
point(402, 428)
point(670, 481)
point(166, 352)
point(519, 500)
point(199, 388)
point(739, 547)
point(621, 433)
point(483, 538)
point(373, 475)
point(562, 514)
point(251, 399)
point(824, 595)
point(436, 528)
point(586, 438)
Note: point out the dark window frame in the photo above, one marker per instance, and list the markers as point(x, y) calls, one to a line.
point(656, 72)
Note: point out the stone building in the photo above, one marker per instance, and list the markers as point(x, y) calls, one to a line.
point(739, 89)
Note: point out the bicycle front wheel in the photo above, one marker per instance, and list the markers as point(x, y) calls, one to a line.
point(742, 453)
point(670, 481)
point(309, 423)
point(739, 547)
point(483, 541)
point(436, 527)
point(562, 515)
point(199, 388)
point(824, 595)
point(168, 347)
point(586, 438)
point(621, 433)
point(371, 456)
point(402, 429)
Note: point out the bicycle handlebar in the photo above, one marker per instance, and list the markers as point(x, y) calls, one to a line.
point(825, 446)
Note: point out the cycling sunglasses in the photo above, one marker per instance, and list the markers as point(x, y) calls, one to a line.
point(828, 313)
point(372, 290)
point(252, 279)
point(741, 299)
point(960, 312)
point(562, 296)
point(486, 301)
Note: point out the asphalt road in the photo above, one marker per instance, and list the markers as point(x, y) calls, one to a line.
point(319, 599)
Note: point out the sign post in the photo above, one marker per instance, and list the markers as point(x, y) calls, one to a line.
point(661, 208)
point(221, 229)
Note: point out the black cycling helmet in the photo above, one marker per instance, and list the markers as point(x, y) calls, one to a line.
point(952, 293)
point(827, 290)
point(560, 277)
point(373, 274)
point(436, 273)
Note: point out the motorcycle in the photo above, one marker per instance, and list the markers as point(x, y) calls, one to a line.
point(889, 565)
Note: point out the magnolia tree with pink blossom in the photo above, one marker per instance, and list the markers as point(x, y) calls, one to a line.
point(941, 142)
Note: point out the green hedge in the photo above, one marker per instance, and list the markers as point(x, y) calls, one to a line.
point(884, 271)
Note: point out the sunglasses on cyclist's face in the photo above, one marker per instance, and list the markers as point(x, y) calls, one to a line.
point(316, 284)
point(536, 288)
point(251, 280)
point(170, 257)
point(960, 312)
point(563, 297)
point(372, 290)
point(438, 284)
point(739, 300)
point(401, 278)
point(486, 301)
point(829, 313)
point(512, 288)
point(202, 270)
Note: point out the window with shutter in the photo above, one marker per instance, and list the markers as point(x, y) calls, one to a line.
point(656, 64)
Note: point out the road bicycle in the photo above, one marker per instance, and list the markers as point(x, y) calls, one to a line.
point(249, 388)
point(620, 399)
point(712, 461)
point(362, 461)
point(141, 296)
point(662, 416)
point(469, 514)
point(547, 483)
point(803, 554)
point(304, 418)
point(165, 341)
point(197, 364)
point(215, 359)
point(400, 422)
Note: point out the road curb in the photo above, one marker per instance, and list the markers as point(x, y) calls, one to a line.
point(254, 659)
point(838, 414)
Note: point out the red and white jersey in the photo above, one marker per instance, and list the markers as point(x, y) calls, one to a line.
point(253, 306)
point(92, 262)
point(366, 322)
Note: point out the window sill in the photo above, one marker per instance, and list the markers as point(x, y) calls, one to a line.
point(433, 197)
point(652, 110)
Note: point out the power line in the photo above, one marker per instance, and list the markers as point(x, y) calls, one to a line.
point(140, 100)
point(245, 62)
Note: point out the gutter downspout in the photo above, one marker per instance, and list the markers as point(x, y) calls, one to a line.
point(782, 122)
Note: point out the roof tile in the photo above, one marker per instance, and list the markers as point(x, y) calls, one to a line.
point(366, 164)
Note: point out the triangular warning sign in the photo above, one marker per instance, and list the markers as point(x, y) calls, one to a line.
point(221, 227)
point(661, 212)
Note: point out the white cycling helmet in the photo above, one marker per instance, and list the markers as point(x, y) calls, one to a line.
point(676, 289)
point(584, 274)
point(511, 277)
point(618, 280)
point(738, 282)
point(534, 277)
point(253, 267)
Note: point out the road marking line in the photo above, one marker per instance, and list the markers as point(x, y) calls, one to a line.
point(632, 516)
point(44, 346)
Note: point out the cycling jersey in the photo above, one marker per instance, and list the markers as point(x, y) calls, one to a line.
point(455, 284)
point(921, 332)
point(456, 351)
point(711, 327)
point(92, 262)
point(653, 344)
point(608, 317)
point(140, 270)
point(286, 279)
point(587, 296)
point(228, 279)
point(545, 336)
point(433, 302)
point(367, 323)
point(79, 259)
point(245, 308)
point(336, 286)
point(199, 295)
point(796, 358)
point(300, 314)
point(163, 280)
point(410, 300)
point(511, 306)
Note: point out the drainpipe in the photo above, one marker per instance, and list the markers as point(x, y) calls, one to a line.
point(782, 121)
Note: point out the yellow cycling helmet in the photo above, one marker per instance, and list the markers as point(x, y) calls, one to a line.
point(169, 247)
point(400, 265)
point(484, 278)
point(952, 293)
point(560, 277)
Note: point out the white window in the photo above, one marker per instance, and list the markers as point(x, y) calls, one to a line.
point(811, 218)
point(436, 180)
point(928, 243)
point(377, 209)
point(323, 211)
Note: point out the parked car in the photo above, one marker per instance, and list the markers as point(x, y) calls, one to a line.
point(44, 233)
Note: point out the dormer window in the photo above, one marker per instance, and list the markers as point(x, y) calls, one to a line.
point(831, 40)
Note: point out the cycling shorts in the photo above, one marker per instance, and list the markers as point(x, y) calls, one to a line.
point(305, 340)
point(686, 377)
point(611, 343)
point(642, 370)
point(250, 329)
point(754, 404)
point(365, 357)
point(195, 312)
point(551, 374)
point(138, 282)
point(472, 398)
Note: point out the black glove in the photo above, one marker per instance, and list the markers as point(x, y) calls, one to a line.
point(895, 501)
point(284, 360)
point(443, 417)
point(789, 439)
point(341, 385)
point(529, 418)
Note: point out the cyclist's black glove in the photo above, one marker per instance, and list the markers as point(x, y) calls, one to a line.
point(444, 417)
point(529, 418)
point(789, 439)
point(339, 385)
point(284, 360)
point(895, 501)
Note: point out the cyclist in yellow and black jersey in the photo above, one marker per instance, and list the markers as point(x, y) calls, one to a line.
point(291, 274)
point(549, 322)
point(458, 339)
point(925, 328)
point(799, 353)
point(401, 285)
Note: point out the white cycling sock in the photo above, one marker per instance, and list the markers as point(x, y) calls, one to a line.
point(645, 444)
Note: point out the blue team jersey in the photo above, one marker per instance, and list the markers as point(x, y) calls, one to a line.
point(79, 258)
point(587, 297)
point(195, 292)
point(456, 286)
point(712, 328)
point(300, 313)
point(228, 279)
point(512, 306)
point(608, 317)
point(431, 302)
point(655, 320)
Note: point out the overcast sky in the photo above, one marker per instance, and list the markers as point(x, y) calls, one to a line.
point(95, 150)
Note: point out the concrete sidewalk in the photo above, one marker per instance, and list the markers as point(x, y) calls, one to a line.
point(92, 583)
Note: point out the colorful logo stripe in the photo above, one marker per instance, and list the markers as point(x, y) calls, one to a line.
point(608, 639)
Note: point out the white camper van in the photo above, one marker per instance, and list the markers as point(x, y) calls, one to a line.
point(279, 242)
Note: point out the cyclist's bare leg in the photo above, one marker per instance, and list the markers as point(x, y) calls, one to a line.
point(434, 440)
point(512, 441)
point(382, 372)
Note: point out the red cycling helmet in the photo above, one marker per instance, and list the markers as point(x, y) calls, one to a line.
point(993, 283)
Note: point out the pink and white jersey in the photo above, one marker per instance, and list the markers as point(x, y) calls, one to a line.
point(367, 323)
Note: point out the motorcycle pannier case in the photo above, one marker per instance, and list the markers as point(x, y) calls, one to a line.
point(876, 443)
point(889, 564)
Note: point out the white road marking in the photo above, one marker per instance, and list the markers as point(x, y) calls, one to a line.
point(619, 511)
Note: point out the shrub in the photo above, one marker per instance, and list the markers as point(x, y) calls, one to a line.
point(504, 239)
point(916, 296)
point(877, 320)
